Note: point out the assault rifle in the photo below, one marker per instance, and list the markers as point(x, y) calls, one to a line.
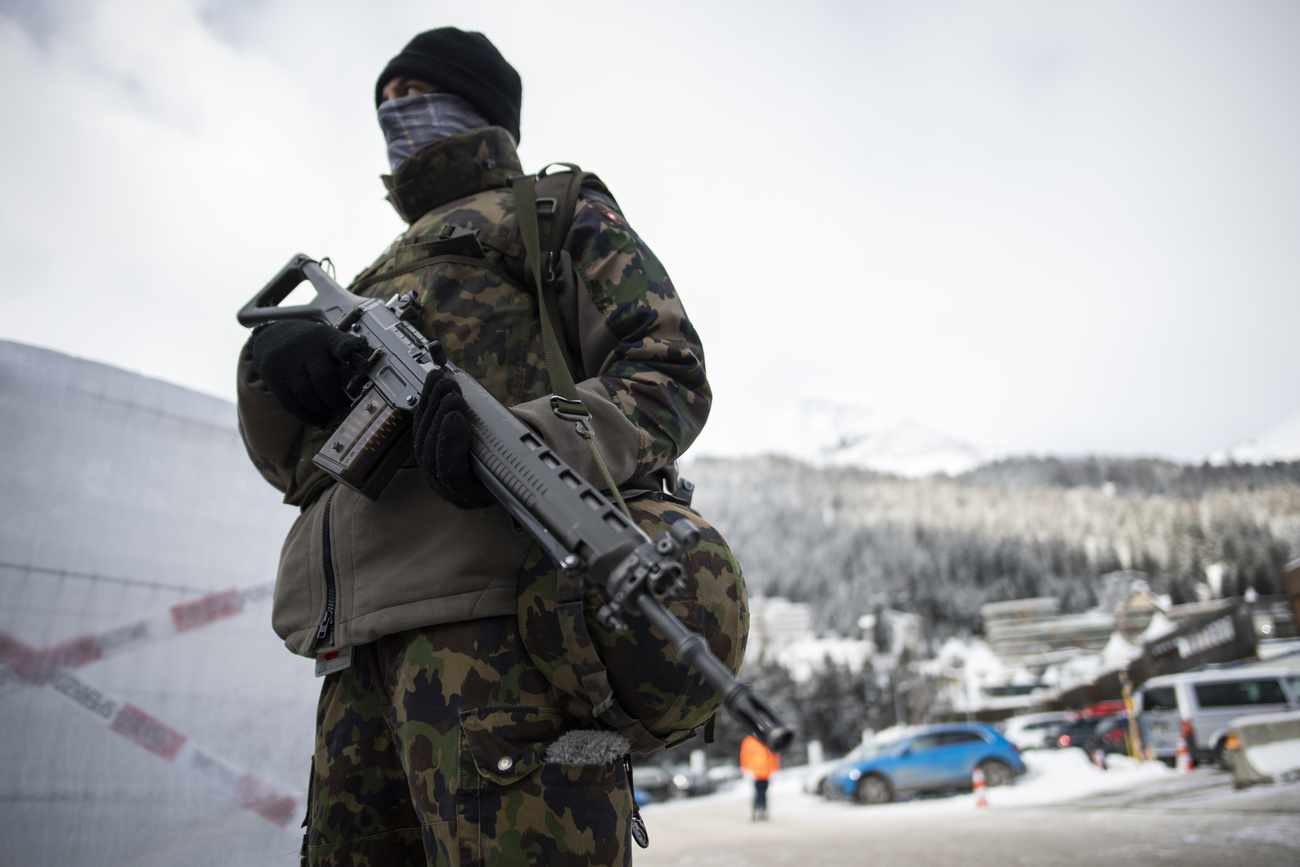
point(574, 523)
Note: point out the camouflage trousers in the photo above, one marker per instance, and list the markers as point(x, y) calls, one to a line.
point(430, 750)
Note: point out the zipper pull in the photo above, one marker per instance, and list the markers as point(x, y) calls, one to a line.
point(325, 623)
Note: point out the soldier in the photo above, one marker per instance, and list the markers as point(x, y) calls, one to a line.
point(448, 734)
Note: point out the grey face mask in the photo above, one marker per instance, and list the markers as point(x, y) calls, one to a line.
point(412, 122)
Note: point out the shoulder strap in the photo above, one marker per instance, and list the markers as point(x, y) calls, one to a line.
point(557, 197)
point(560, 192)
point(565, 403)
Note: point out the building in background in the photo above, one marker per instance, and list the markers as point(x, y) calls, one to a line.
point(1021, 628)
point(774, 623)
point(1042, 659)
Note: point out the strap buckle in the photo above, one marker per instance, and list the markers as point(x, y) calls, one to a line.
point(572, 167)
point(574, 411)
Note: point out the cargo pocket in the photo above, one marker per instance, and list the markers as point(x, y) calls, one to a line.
point(514, 807)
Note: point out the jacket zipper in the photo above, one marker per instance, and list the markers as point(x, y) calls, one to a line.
point(326, 629)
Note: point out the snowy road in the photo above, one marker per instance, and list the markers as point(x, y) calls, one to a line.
point(1062, 813)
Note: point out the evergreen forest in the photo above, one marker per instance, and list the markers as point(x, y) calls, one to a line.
point(851, 541)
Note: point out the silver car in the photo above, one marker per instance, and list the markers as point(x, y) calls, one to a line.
point(1032, 731)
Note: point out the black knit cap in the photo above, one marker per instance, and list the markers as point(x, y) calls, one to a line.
point(463, 63)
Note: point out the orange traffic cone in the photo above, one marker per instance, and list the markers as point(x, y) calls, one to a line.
point(977, 782)
point(1184, 757)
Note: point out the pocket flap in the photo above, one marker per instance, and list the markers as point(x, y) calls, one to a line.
point(508, 744)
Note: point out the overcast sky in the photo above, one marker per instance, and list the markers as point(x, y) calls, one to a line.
point(1039, 227)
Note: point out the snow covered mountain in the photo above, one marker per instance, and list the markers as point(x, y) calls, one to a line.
point(829, 434)
point(1281, 442)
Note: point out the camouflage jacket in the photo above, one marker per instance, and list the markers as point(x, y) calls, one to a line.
point(411, 559)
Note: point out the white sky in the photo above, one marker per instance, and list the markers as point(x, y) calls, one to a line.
point(1047, 227)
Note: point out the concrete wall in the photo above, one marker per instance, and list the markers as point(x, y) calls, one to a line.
point(1269, 748)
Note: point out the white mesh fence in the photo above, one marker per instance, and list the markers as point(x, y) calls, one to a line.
point(149, 715)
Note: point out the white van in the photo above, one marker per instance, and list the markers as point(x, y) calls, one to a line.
point(1201, 704)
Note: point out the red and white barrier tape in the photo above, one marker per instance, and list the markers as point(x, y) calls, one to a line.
point(31, 664)
point(152, 734)
point(22, 664)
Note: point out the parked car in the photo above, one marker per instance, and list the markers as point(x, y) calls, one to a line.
point(658, 783)
point(1112, 735)
point(1075, 734)
point(655, 782)
point(1032, 731)
point(814, 782)
point(723, 775)
point(931, 759)
point(1200, 706)
point(690, 784)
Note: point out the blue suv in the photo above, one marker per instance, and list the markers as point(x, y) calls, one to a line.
point(931, 759)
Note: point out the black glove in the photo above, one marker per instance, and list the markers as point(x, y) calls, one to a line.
point(305, 365)
point(442, 436)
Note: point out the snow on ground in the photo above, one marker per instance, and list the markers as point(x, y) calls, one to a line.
point(1054, 776)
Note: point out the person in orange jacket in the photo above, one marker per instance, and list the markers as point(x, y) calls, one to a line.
point(758, 763)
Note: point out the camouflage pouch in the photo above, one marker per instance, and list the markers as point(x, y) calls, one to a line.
point(632, 682)
point(515, 806)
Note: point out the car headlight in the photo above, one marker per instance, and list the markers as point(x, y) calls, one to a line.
point(853, 773)
point(682, 781)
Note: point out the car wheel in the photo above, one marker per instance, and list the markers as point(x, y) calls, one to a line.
point(873, 789)
point(1223, 755)
point(996, 773)
point(826, 789)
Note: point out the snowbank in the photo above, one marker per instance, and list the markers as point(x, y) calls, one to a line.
point(1053, 776)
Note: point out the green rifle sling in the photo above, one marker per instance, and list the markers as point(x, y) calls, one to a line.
point(561, 379)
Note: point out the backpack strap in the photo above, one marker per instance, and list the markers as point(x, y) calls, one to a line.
point(557, 196)
point(561, 192)
point(565, 403)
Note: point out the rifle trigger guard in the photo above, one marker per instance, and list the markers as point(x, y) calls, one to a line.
point(574, 411)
